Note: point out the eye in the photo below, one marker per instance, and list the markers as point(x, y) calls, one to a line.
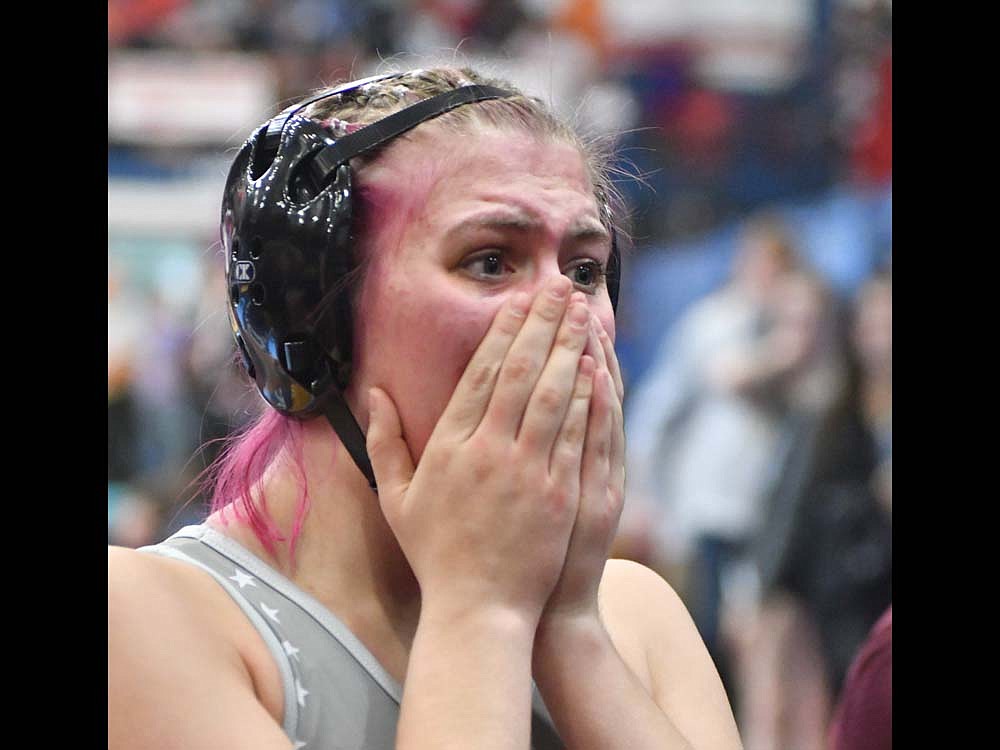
point(489, 264)
point(587, 275)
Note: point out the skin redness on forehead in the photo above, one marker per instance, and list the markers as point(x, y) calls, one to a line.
point(393, 198)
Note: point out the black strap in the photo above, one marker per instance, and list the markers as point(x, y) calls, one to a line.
point(371, 136)
point(348, 430)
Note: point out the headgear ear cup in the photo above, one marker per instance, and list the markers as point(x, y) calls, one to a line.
point(286, 222)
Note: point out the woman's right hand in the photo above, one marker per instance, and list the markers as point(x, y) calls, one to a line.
point(485, 519)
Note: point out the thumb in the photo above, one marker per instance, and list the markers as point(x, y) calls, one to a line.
point(389, 454)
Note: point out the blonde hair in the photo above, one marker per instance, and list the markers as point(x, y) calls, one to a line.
point(372, 102)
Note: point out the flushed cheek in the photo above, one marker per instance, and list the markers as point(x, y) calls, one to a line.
point(443, 339)
point(418, 351)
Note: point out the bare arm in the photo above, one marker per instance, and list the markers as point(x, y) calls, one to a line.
point(468, 683)
point(597, 698)
point(173, 680)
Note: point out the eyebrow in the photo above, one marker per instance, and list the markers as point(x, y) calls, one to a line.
point(583, 228)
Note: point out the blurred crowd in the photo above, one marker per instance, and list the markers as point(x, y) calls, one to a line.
point(760, 480)
point(759, 434)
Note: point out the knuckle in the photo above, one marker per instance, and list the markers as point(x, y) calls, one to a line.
point(550, 310)
point(602, 449)
point(616, 500)
point(569, 338)
point(481, 375)
point(482, 462)
point(549, 399)
point(480, 469)
point(572, 436)
point(375, 442)
point(518, 367)
point(558, 496)
point(510, 323)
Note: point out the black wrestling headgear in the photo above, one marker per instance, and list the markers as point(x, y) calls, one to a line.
point(286, 228)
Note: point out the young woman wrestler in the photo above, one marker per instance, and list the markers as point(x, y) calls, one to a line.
point(476, 576)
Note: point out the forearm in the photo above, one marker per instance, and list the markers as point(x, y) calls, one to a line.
point(594, 698)
point(468, 681)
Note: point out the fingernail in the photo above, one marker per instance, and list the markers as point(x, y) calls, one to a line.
point(372, 403)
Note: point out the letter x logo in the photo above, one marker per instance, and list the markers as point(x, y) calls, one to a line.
point(244, 272)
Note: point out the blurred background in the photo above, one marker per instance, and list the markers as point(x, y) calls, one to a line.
point(755, 152)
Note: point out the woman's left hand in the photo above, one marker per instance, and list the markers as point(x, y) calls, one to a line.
point(602, 492)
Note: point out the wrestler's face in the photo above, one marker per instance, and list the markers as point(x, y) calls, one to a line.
point(456, 225)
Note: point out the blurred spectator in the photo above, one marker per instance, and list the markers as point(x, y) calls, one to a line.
point(169, 422)
point(824, 557)
point(705, 424)
point(872, 341)
point(124, 316)
point(863, 718)
point(134, 517)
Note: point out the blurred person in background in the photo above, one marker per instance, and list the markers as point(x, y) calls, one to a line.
point(309, 610)
point(133, 514)
point(703, 430)
point(124, 329)
point(135, 518)
point(824, 554)
point(163, 408)
point(872, 341)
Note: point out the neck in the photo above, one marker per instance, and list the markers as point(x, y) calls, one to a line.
point(346, 555)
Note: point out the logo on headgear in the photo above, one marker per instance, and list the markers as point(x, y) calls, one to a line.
point(243, 273)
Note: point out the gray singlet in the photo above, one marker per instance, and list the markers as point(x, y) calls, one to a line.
point(337, 696)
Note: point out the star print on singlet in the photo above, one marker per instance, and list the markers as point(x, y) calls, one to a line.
point(336, 694)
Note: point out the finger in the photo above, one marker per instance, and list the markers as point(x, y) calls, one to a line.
point(598, 446)
point(599, 510)
point(389, 454)
point(546, 409)
point(616, 477)
point(611, 359)
point(602, 344)
point(472, 395)
point(526, 357)
point(567, 451)
point(594, 346)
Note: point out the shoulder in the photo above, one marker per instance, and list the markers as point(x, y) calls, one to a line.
point(149, 591)
point(640, 598)
point(641, 609)
point(173, 669)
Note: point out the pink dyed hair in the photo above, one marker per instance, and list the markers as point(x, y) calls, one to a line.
point(237, 475)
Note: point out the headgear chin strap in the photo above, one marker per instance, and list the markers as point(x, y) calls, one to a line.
point(286, 227)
